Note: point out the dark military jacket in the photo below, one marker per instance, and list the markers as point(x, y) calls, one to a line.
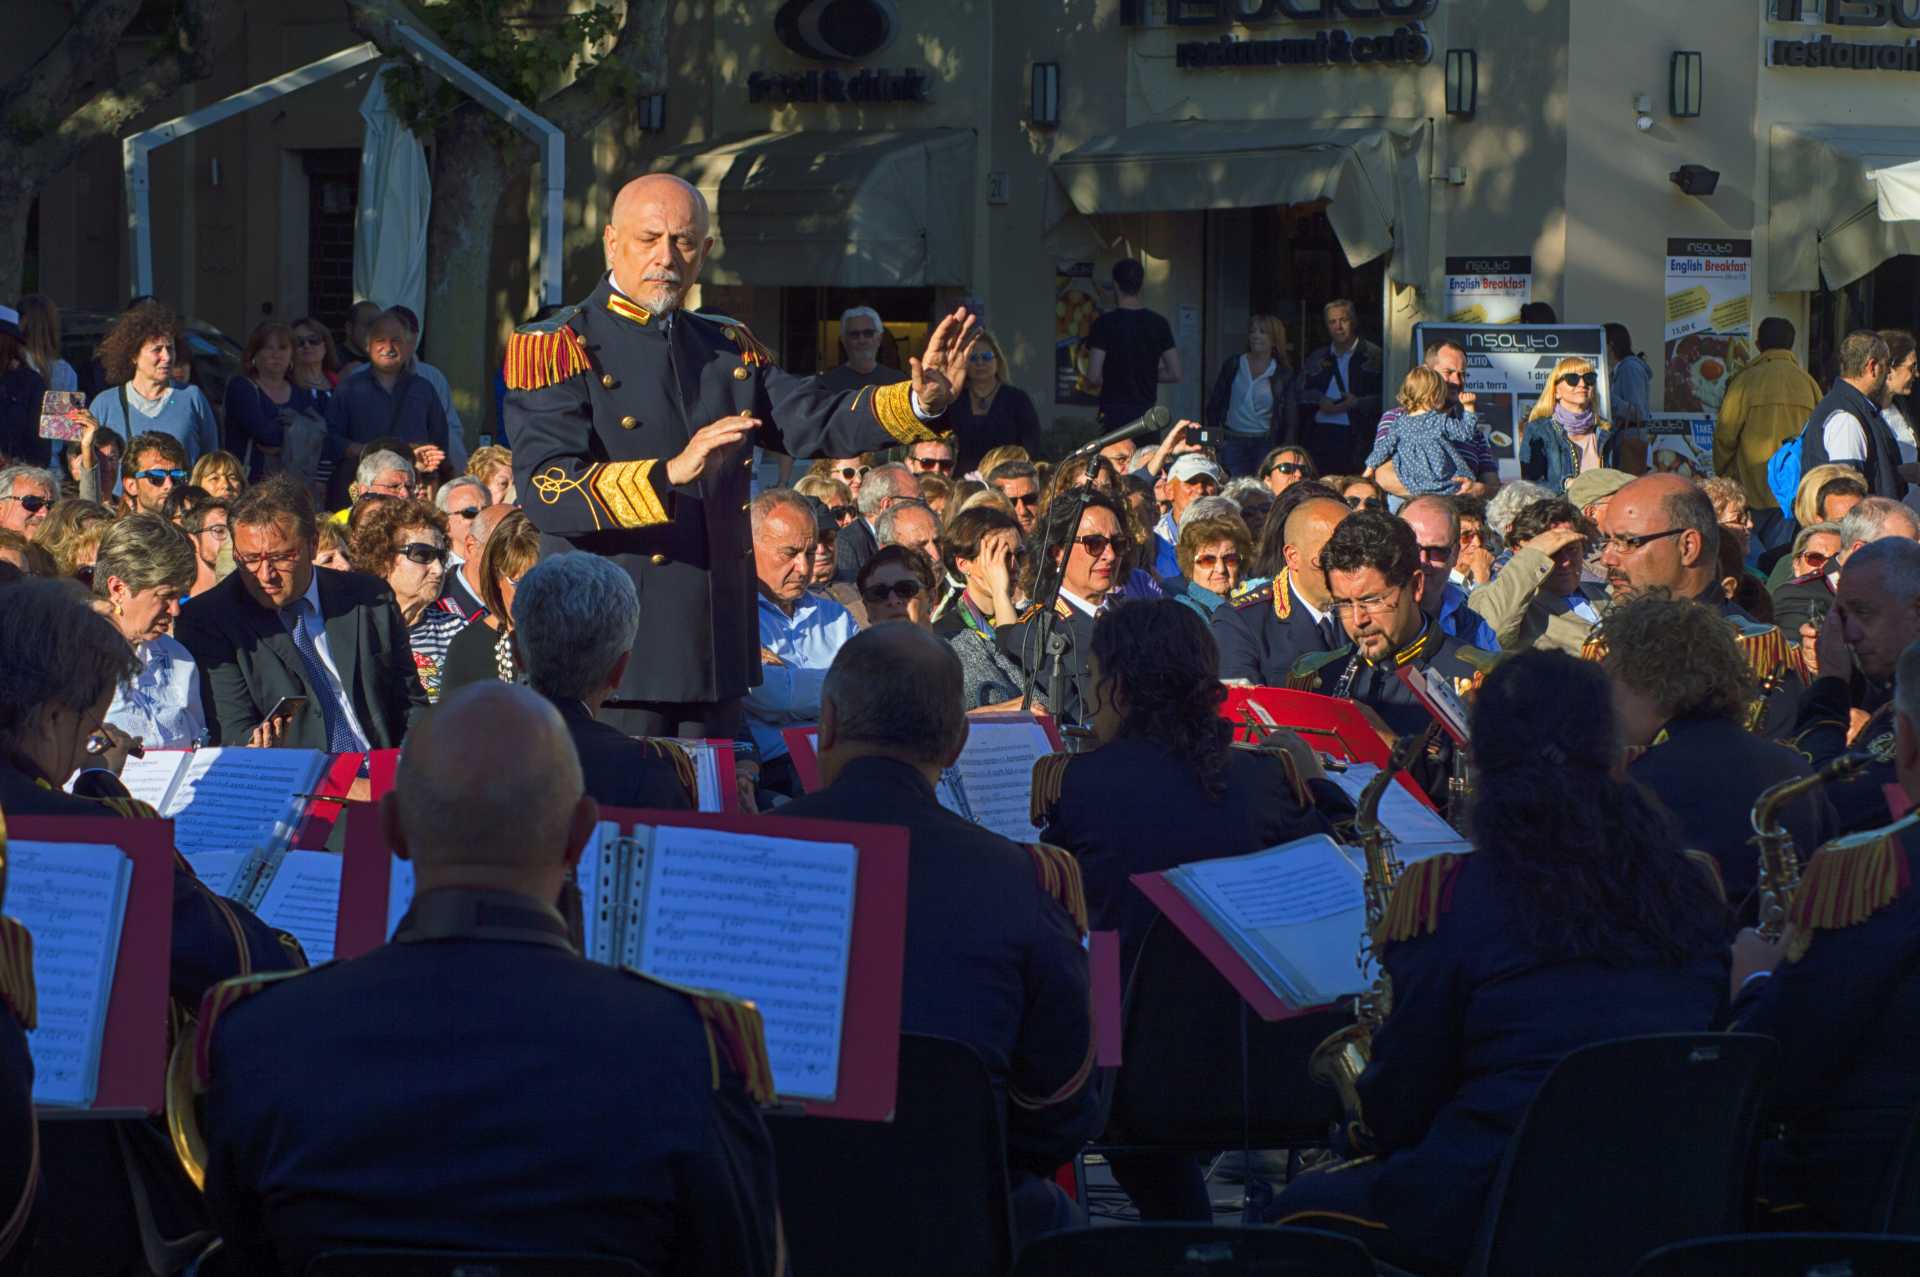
point(1351, 676)
point(1263, 632)
point(1821, 734)
point(600, 397)
point(1771, 655)
point(993, 959)
point(1022, 644)
point(623, 771)
point(1844, 1005)
point(1804, 598)
point(475, 1084)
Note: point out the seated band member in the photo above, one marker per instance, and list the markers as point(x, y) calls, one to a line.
point(1845, 1007)
point(1264, 631)
point(477, 1061)
point(1682, 692)
point(1165, 786)
point(1577, 918)
point(575, 616)
point(60, 662)
point(1875, 617)
point(993, 957)
point(1095, 553)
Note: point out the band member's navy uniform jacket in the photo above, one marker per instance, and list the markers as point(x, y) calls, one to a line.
point(1774, 661)
point(1844, 1004)
point(599, 398)
point(1708, 772)
point(622, 771)
point(475, 1084)
point(1021, 643)
point(1821, 734)
point(19, 1136)
point(1479, 1019)
point(1262, 633)
point(993, 956)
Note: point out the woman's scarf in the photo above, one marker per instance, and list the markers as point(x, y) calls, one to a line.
point(1574, 423)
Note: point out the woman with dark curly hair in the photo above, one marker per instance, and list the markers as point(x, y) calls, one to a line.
point(1577, 919)
point(1164, 787)
point(139, 354)
point(1682, 691)
point(403, 541)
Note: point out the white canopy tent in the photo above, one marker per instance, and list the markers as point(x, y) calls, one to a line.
point(396, 197)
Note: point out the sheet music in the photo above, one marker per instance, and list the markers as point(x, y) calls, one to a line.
point(150, 778)
point(240, 799)
point(224, 872)
point(1295, 912)
point(765, 919)
point(996, 775)
point(399, 892)
point(706, 768)
point(73, 898)
point(1417, 832)
point(304, 899)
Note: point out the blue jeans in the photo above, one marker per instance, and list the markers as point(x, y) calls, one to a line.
point(1241, 454)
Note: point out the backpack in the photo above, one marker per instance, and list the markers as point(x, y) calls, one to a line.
point(1783, 472)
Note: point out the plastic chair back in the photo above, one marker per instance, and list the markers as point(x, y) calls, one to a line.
point(448, 1263)
point(1194, 1250)
point(1900, 1184)
point(1185, 1082)
point(926, 1193)
point(1630, 1145)
point(1786, 1255)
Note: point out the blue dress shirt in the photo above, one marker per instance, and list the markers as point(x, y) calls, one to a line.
point(805, 643)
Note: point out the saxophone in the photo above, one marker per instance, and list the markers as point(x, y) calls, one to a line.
point(1343, 1055)
point(1779, 874)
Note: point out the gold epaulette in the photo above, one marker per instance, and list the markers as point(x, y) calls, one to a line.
point(1258, 595)
point(676, 753)
point(1049, 777)
point(545, 354)
point(734, 1027)
point(1764, 647)
point(753, 351)
point(220, 999)
point(16, 973)
point(1424, 892)
point(1707, 865)
point(1848, 881)
point(1060, 878)
point(1305, 674)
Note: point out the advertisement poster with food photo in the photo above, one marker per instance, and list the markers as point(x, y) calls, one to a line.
point(1488, 290)
point(1077, 302)
point(1709, 320)
point(1508, 368)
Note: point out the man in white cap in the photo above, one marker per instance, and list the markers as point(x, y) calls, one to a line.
point(1191, 476)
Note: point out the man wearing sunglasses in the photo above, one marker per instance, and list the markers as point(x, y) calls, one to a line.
point(634, 422)
point(156, 465)
point(932, 456)
point(26, 494)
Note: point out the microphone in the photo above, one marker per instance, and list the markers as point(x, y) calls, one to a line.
point(1151, 422)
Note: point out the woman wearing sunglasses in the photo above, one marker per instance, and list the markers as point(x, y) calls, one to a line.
point(896, 584)
point(992, 413)
point(1564, 435)
point(1212, 552)
point(403, 541)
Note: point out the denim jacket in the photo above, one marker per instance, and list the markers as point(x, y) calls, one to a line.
point(1547, 456)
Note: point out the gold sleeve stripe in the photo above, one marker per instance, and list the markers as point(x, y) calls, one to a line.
point(1049, 778)
point(893, 408)
point(16, 973)
point(538, 360)
point(625, 488)
point(1059, 875)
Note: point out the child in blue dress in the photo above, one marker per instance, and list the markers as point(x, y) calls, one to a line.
point(1428, 448)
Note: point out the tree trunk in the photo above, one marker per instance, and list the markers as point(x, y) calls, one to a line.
point(471, 153)
point(16, 202)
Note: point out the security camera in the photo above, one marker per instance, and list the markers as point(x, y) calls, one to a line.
point(1695, 179)
point(1643, 121)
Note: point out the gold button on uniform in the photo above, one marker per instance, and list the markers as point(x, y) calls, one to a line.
point(746, 507)
point(628, 423)
point(659, 560)
point(730, 334)
point(741, 373)
point(606, 379)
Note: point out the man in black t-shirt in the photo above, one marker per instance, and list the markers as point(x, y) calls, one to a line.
point(1130, 352)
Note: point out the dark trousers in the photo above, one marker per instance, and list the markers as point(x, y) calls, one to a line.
point(1335, 449)
point(702, 720)
point(1164, 1187)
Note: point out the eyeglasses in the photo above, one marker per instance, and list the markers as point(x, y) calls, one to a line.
point(471, 512)
point(33, 503)
point(1096, 545)
point(848, 472)
point(1473, 535)
point(1815, 558)
point(1372, 604)
point(159, 477)
point(1436, 553)
point(981, 357)
point(1284, 467)
point(1628, 544)
point(1211, 561)
point(924, 464)
point(1364, 503)
point(422, 553)
point(905, 591)
point(309, 341)
point(842, 513)
point(402, 489)
point(1024, 498)
point(1579, 378)
point(218, 531)
point(859, 332)
point(284, 559)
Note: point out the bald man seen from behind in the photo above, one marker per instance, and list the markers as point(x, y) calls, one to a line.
point(634, 422)
point(475, 1084)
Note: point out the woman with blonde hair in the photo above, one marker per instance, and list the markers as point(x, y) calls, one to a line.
point(493, 466)
point(992, 413)
point(220, 474)
point(993, 458)
point(1251, 403)
point(72, 535)
point(1564, 434)
point(1814, 501)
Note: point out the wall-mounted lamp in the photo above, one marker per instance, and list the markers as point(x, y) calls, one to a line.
point(1642, 112)
point(1044, 109)
point(653, 113)
point(1463, 81)
point(1686, 84)
point(1695, 179)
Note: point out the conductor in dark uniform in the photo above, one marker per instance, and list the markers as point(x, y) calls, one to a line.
point(994, 928)
point(1843, 1000)
point(633, 424)
point(476, 1084)
point(1264, 631)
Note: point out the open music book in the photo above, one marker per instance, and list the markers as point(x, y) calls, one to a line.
point(226, 804)
point(713, 769)
point(73, 898)
point(1417, 831)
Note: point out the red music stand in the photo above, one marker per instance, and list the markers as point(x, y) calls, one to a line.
point(1343, 728)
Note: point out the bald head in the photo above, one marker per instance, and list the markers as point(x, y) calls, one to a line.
point(1308, 530)
point(1661, 534)
point(657, 239)
point(894, 690)
point(489, 794)
point(487, 520)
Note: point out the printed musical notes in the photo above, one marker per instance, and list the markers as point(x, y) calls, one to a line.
point(765, 919)
point(303, 898)
point(73, 898)
point(995, 772)
point(1417, 832)
point(227, 800)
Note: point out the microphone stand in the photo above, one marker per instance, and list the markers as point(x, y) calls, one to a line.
point(1053, 643)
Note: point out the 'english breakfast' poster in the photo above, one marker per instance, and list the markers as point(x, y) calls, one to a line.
point(1488, 290)
point(1709, 320)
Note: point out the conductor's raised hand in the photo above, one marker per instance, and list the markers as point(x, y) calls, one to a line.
point(942, 370)
point(703, 451)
